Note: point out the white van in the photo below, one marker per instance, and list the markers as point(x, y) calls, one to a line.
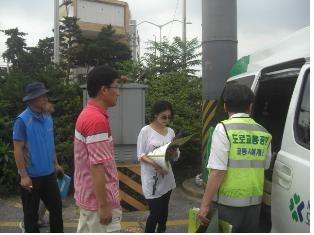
point(280, 79)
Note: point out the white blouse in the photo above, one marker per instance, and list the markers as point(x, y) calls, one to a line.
point(154, 185)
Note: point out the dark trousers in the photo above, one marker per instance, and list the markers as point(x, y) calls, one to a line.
point(44, 188)
point(158, 208)
point(242, 219)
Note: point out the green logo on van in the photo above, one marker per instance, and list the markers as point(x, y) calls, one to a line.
point(296, 207)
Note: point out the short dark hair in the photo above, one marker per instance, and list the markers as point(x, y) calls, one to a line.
point(161, 106)
point(237, 97)
point(100, 76)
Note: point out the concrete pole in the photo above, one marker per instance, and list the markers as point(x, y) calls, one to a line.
point(155, 45)
point(132, 35)
point(56, 57)
point(184, 35)
point(159, 33)
point(184, 22)
point(219, 50)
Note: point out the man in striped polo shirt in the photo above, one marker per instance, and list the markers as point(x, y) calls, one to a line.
point(240, 152)
point(95, 178)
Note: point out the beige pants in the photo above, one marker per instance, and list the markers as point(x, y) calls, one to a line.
point(89, 222)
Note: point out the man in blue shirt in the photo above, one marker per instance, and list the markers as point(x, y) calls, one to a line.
point(35, 158)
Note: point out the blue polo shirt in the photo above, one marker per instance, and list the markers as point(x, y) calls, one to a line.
point(36, 130)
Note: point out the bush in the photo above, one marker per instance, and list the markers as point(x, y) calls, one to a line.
point(185, 96)
point(8, 170)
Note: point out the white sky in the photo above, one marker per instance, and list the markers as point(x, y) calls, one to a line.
point(260, 22)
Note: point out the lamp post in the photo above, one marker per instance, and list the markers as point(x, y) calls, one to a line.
point(160, 26)
point(56, 43)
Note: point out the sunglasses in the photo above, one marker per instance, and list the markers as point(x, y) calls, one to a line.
point(166, 117)
point(115, 87)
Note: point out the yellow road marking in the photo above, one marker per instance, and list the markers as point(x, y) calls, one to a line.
point(125, 224)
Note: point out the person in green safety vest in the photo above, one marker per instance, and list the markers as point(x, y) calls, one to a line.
point(240, 152)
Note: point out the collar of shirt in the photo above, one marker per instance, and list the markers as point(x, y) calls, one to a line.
point(239, 115)
point(94, 105)
point(36, 115)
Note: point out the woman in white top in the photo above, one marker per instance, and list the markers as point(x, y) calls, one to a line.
point(157, 183)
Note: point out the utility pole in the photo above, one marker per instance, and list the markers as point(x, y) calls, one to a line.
point(132, 35)
point(184, 35)
point(219, 52)
point(56, 33)
point(184, 22)
point(155, 46)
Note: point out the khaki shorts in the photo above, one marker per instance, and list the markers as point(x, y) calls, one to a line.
point(89, 222)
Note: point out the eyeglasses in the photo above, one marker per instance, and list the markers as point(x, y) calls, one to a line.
point(115, 87)
point(166, 117)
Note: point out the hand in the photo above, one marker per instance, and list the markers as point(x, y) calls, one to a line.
point(105, 215)
point(59, 169)
point(172, 152)
point(202, 215)
point(161, 171)
point(26, 183)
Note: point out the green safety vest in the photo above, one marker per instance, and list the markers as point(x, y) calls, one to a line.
point(244, 179)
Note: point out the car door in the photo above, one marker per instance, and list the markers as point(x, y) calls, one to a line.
point(290, 200)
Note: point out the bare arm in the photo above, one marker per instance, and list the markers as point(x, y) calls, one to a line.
point(58, 168)
point(153, 164)
point(25, 182)
point(99, 180)
point(214, 180)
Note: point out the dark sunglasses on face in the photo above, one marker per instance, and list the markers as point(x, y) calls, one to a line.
point(166, 117)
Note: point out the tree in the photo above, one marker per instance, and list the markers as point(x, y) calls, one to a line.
point(16, 47)
point(70, 38)
point(106, 49)
point(79, 51)
point(44, 51)
point(163, 57)
point(23, 58)
point(134, 70)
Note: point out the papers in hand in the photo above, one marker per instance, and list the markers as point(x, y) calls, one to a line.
point(160, 155)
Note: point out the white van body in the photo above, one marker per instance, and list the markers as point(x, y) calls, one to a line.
point(290, 199)
point(281, 83)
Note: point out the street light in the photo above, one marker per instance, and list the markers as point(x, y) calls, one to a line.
point(160, 25)
point(56, 41)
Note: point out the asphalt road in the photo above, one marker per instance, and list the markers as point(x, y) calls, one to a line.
point(180, 202)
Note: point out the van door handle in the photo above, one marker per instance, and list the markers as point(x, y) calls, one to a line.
point(284, 176)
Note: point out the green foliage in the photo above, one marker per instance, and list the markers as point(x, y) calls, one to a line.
point(169, 75)
point(15, 46)
point(67, 109)
point(26, 59)
point(164, 57)
point(134, 70)
point(30, 64)
point(79, 51)
point(70, 37)
point(185, 96)
point(104, 49)
point(8, 171)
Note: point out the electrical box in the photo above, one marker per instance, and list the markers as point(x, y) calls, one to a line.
point(126, 119)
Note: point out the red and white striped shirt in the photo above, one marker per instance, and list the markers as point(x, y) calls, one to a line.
point(93, 145)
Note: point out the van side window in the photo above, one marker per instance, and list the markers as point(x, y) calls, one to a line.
point(302, 121)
